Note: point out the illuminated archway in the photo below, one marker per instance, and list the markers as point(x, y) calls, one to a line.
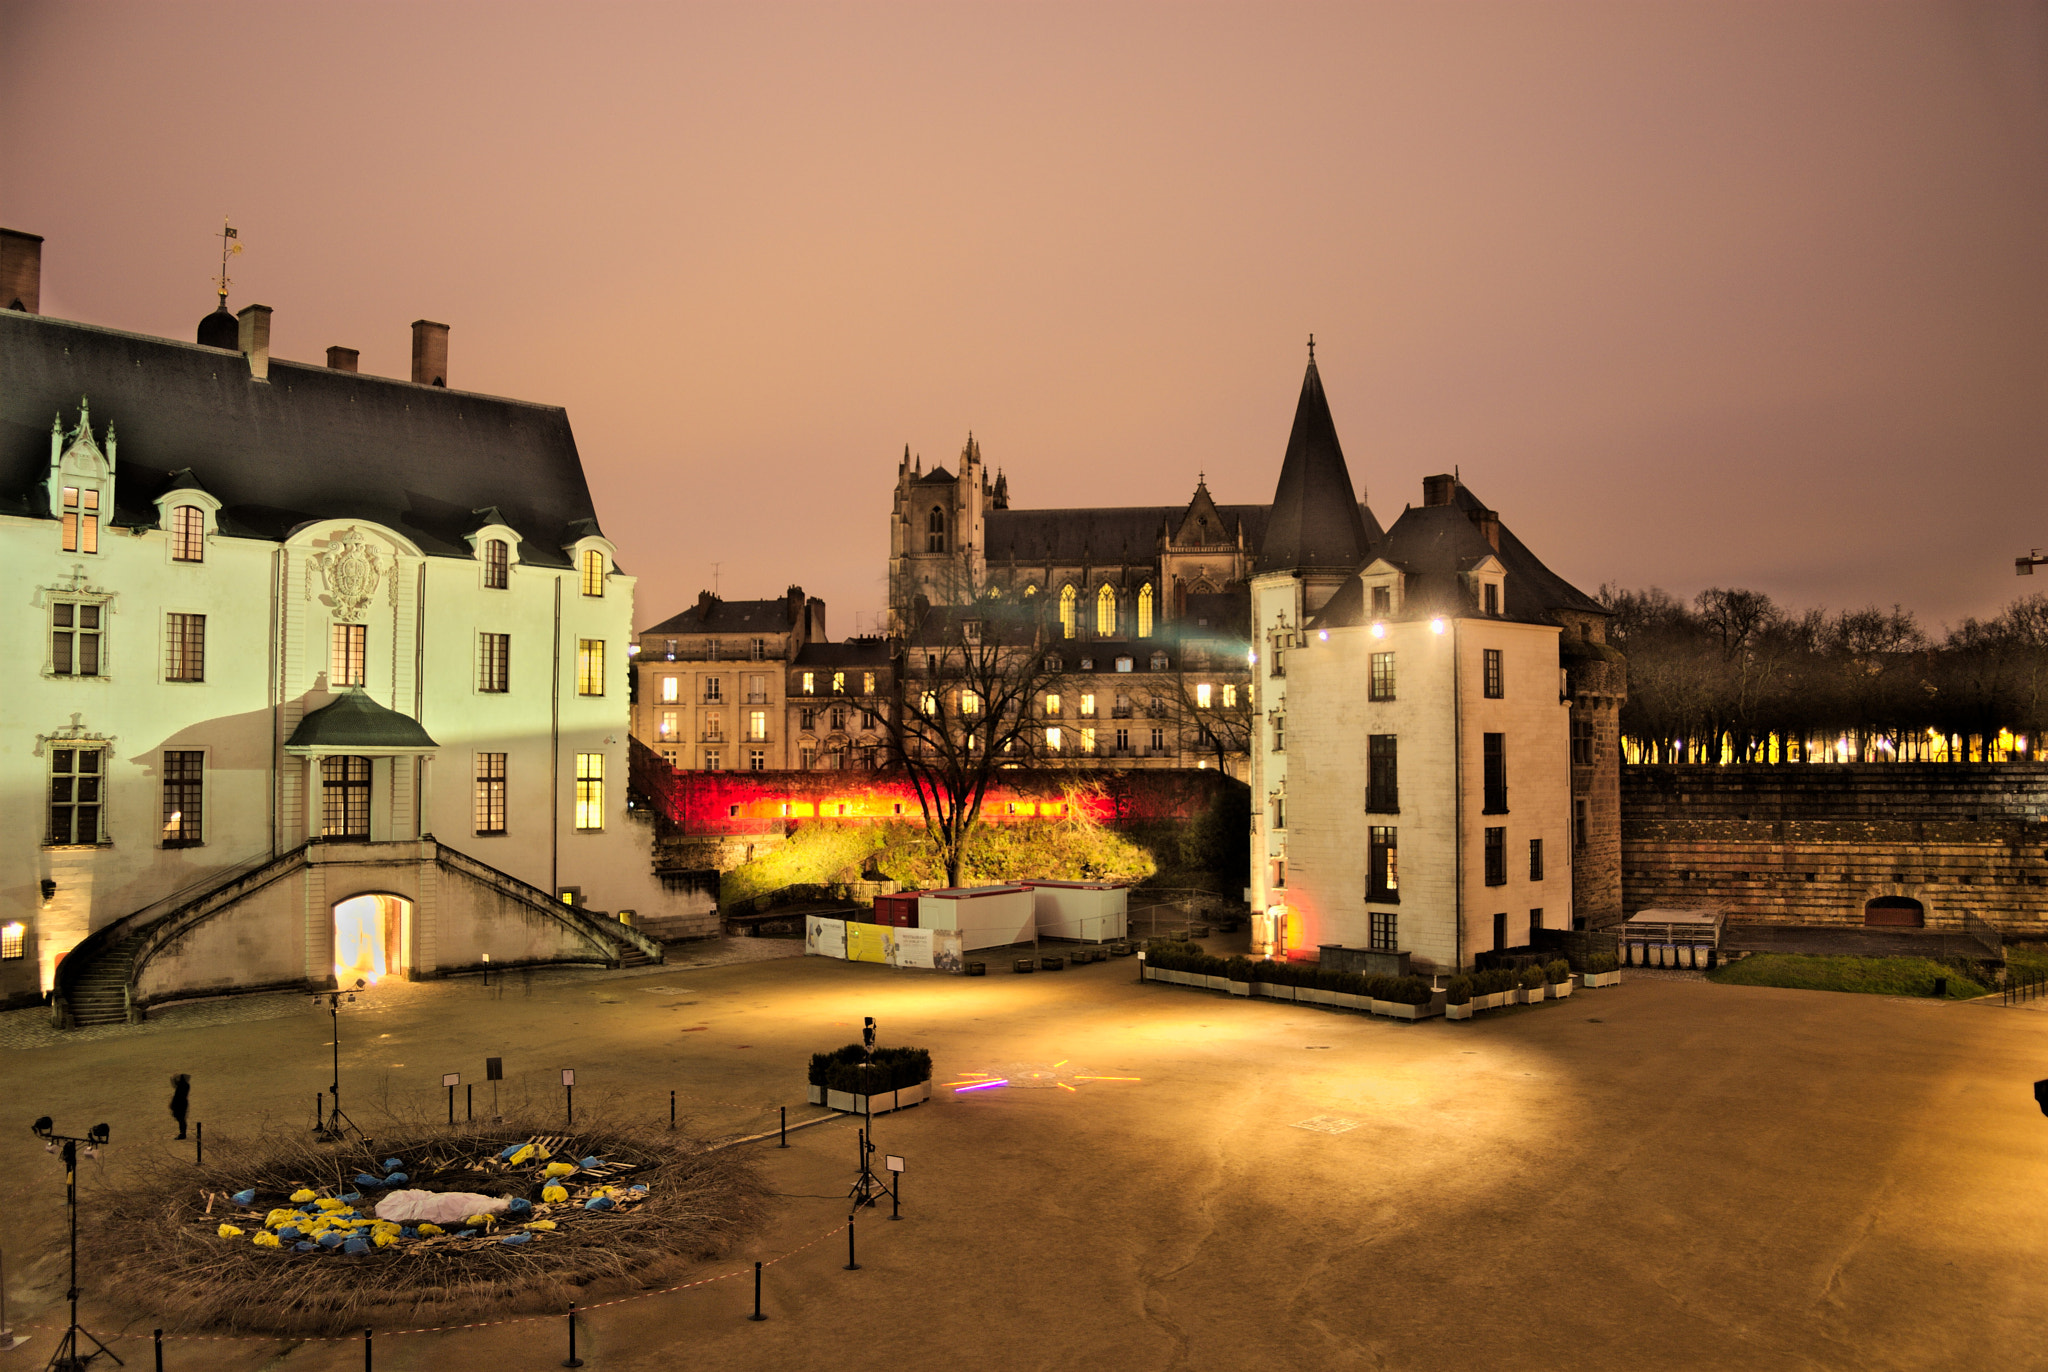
point(1105, 613)
point(369, 938)
point(1145, 610)
point(1069, 602)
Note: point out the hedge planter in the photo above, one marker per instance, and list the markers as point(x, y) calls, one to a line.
point(1394, 1009)
point(1560, 989)
point(1597, 979)
point(881, 1103)
point(1458, 1011)
point(1237, 988)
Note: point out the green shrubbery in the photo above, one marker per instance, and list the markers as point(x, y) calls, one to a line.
point(1871, 976)
point(1557, 973)
point(1493, 982)
point(1174, 956)
point(893, 1069)
point(1458, 991)
point(1603, 962)
point(1530, 977)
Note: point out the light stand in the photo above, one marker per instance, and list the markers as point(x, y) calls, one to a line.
point(868, 1187)
point(68, 1357)
point(335, 1127)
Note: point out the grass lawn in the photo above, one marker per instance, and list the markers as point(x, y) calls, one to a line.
point(1872, 976)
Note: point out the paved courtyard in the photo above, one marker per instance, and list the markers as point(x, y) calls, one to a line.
point(1666, 1174)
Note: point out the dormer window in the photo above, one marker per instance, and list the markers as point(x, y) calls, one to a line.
point(1382, 601)
point(593, 572)
point(188, 534)
point(81, 519)
point(1489, 598)
point(497, 564)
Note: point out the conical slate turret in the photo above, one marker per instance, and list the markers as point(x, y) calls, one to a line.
point(1315, 524)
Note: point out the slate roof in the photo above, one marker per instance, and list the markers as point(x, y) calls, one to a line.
point(728, 617)
point(355, 723)
point(312, 443)
point(1099, 536)
point(866, 652)
point(1434, 544)
point(1316, 523)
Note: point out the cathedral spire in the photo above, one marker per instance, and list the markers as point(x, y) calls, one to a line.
point(1315, 524)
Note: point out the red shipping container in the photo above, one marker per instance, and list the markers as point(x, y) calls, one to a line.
point(899, 910)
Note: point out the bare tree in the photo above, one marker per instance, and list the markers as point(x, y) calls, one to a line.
point(972, 679)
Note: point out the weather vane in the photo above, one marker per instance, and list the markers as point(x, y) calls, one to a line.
point(228, 248)
point(1311, 345)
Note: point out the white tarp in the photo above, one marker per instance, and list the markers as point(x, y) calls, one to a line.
point(445, 1208)
point(824, 937)
point(983, 916)
point(913, 947)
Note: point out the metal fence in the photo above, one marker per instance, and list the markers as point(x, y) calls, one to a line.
point(2022, 987)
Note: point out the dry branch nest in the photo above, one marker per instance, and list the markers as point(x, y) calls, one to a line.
point(156, 1233)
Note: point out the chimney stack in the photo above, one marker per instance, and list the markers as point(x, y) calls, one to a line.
point(343, 359)
point(1438, 490)
point(429, 353)
point(1489, 525)
point(255, 339)
point(21, 271)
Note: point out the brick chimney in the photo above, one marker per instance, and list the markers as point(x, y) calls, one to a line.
point(1439, 489)
point(429, 353)
point(255, 339)
point(21, 271)
point(1489, 525)
point(343, 359)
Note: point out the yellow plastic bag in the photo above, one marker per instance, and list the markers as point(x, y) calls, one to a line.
point(301, 1196)
point(266, 1239)
point(520, 1158)
point(542, 1224)
point(481, 1221)
point(330, 1204)
point(552, 1194)
point(559, 1169)
point(228, 1231)
point(381, 1239)
point(279, 1218)
point(427, 1231)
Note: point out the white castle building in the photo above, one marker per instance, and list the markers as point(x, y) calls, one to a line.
point(1435, 766)
point(311, 674)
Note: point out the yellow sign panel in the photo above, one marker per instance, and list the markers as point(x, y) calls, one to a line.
point(867, 942)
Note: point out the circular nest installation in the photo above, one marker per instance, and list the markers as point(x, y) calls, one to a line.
point(288, 1235)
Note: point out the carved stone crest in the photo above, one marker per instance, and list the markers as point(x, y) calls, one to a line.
point(349, 567)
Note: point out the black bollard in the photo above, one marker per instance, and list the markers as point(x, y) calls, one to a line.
point(469, 1103)
point(366, 1350)
point(785, 1128)
point(572, 1360)
point(159, 1350)
point(851, 1265)
point(199, 1140)
point(757, 1315)
point(671, 1109)
point(896, 1195)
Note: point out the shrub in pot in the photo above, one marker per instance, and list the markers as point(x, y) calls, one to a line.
point(1558, 973)
point(1240, 969)
point(1458, 991)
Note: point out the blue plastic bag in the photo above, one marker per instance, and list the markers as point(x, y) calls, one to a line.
point(519, 1206)
point(598, 1203)
point(365, 1179)
point(392, 1164)
point(351, 1198)
point(356, 1245)
point(332, 1239)
point(244, 1197)
point(517, 1238)
point(591, 1161)
point(289, 1233)
point(307, 1246)
point(396, 1179)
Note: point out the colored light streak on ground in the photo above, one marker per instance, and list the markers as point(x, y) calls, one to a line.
point(1108, 1078)
point(1063, 1062)
point(979, 1086)
point(1064, 1087)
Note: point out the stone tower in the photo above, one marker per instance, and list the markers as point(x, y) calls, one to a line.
point(1315, 540)
point(937, 542)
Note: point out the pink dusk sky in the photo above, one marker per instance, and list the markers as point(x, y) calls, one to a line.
point(1695, 294)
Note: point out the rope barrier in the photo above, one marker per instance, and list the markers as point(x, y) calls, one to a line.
point(479, 1324)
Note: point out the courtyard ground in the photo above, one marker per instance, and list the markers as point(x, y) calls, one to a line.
point(1665, 1174)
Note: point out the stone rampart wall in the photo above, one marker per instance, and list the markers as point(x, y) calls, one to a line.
point(1812, 844)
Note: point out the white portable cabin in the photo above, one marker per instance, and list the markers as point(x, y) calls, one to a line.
point(985, 916)
point(1093, 911)
point(1671, 937)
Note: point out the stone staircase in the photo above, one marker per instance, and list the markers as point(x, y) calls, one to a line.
point(100, 995)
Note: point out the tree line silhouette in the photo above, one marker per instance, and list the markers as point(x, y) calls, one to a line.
point(1733, 677)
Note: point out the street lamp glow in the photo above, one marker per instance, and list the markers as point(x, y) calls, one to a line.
point(1437, 624)
point(1324, 635)
point(1379, 631)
